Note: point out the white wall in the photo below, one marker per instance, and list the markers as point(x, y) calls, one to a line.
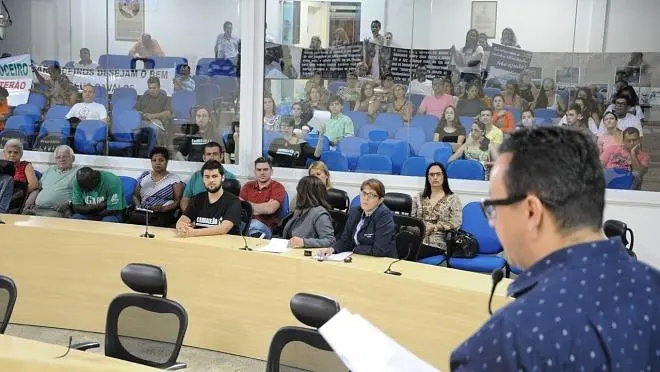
point(638, 18)
point(20, 33)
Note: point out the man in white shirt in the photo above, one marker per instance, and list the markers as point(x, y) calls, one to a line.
point(85, 60)
point(227, 44)
point(421, 85)
point(88, 109)
point(626, 119)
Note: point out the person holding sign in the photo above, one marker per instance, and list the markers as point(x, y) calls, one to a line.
point(468, 59)
point(59, 89)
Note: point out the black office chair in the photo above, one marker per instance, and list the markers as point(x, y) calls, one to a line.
point(311, 310)
point(144, 327)
point(7, 301)
point(415, 226)
point(615, 228)
point(339, 219)
point(338, 199)
point(279, 230)
point(398, 202)
point(232, 186)
point(246, 216)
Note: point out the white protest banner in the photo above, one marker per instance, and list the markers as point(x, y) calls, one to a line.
point(16, 77)
point(113, 79)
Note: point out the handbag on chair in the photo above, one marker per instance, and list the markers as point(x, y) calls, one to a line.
point(7, 167)
point(461, 244)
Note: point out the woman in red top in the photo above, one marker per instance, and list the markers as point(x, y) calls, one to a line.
point(4, 107)
point(25, 179)
point(502, 118)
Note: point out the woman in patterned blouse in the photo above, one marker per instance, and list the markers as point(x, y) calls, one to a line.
point(439, 208)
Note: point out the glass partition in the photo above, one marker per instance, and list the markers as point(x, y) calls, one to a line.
point(119, 77)
point(388, 86)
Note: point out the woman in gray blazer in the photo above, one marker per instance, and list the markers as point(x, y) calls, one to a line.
point(311, 224)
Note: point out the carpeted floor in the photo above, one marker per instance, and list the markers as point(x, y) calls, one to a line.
point(198, 360)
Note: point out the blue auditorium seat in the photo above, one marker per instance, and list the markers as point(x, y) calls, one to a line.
point(391, 121)
point(397, 151)
point(429, 149)
point(284, 208)
point(182, 102)
point(168, 62)
point(124, 93)
point(90, 137)
point(413, 135)
point(415, 166)
point(128, 185)
point(427, 123)
point(28, 109)
point(353, 148)
point(335, 160)
point(492, 92)
point(114, 61)
point(374, 163)
point(57, 112)
point(37, 99)
point(466, 170)
point(207, 94)
point(359, 119)
point(547, 115)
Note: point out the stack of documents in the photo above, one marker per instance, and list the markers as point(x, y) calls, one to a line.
point(364, 348)
point(275, 245)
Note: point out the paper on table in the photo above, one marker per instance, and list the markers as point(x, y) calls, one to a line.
point(348, 334)
point(334, 257)
point(276, 246)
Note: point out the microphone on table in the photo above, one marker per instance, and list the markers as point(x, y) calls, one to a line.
point(405, 237)
point(245, 248)
point(147, 212)
point(497, 277)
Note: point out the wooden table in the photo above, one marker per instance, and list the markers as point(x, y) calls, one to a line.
point(67, 272)
point(19, 354)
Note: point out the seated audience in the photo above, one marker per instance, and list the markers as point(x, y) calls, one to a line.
point(53, 198)
point(319, 170)
point(512, 98)
point(421, 85)
point(25, 179)
point(227, 46)
point(155, 107)
point(85, 60)
point(509, 38)
point(184, 81)
point(272, 121)
point(88, 109)
point(439, 208)
point(547, 97)
point(370, 228)
point(158, 190)
point(626, 119)
point(468, 59)
point(98, 196)
point(502, 118)
point(316, 80)
point(311, 224)
point(6, 185)
point(575, 120)
point(493, 133)
point(231, 144)
point(315, 98)
point(350, 92)
point(385, 91)
point(628, 156)
point(435, 105)
point(449, 129)
point(339, 125)
point(145, 48)
point(214, 212)
point(368, 102)
point(448, 88)
point(301, 114)
point(528, 120)
point(633, 103)
point(471, 104)
point(5, 110)
point(589, 105)
point(58, 89)
point(613, 135)
point(526, 88)
point(266, 197)
point(587, 116)
point(477, 146)
point(292, 149)
point(400, 104)
point(192, 148)
point(212, 151)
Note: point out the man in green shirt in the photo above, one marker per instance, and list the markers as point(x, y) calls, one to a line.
point(339, 125)
point(98, 196)
point(212, 151)
point(53, 199)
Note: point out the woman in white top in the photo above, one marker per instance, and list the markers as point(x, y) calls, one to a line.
point(468, 58)
point(548, 98)
point(272, 121)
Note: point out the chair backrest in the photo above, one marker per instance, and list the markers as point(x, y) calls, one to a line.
point(207, 94)
point(366, 130)
point(101, 95)
point(143, 327)
point(427, 123)
point(168, 62)
point(37, 99)
point(89, 137)
point(246, 216)
point(353, 148)
point(374, 163)
point(338, 199)
point(232, 185)
point(124, 93)
point(397, 150)
point(57, 112)
point(202, 67)
point(182, 102)
point(475, 222)
point(466, 170)
point(222, 67)
point(125, 126)
point(53, 132)
point(466, 122)
point(201, 79)
point(114, 61)
point(622, 182)
point(398, 202)
point(128, 185)
point(335, 160)
point(545, 114)
point(268, 138)
point(492, 92)
point(339, 219)
point(391, 121)
point(359, 119)
point(23, 123)
point(415, 167)
point(7, 301)
point(429, 149)
point(313, 139)
point(413, 135)
point(335, 86)
point(284, 208)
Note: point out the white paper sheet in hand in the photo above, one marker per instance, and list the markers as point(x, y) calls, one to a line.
point(334, 257)
point(276, 246)
point(364, 348)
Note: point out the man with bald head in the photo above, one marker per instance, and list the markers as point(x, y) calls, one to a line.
point(88, 109)
point(145, 48)
point(98, 196)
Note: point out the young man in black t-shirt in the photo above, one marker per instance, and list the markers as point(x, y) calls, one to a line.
point(214, 212)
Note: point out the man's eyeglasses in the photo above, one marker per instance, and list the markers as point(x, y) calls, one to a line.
point(488, 205)
point(368, 195)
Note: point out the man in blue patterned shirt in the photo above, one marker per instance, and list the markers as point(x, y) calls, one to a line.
point(582, 303)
